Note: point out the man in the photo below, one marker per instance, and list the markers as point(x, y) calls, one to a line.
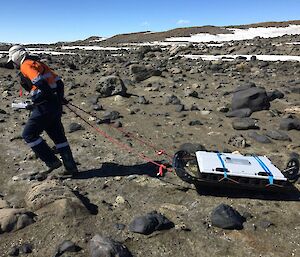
point(47, 93)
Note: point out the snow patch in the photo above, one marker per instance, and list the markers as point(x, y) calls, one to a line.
point(241, 34)
point(228, 57)
point(97, 48)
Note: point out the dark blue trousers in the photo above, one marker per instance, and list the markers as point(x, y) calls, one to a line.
point(51, 124)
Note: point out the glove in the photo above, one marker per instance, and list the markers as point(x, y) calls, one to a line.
point(64, 101)
point(29, 107)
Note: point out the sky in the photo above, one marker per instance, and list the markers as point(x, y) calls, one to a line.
point(36, 21)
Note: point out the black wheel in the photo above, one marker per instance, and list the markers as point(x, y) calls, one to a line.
point(292, 170)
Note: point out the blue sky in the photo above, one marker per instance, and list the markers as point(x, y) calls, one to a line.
point(65, 20)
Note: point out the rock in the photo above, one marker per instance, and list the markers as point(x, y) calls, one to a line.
point(140, 72)
point(54, 197)
point(244, 124)
point(191, 93)
point(105, 247)
point(254, 98)
point(66, 246)
point(224, 216)
point(194, 108)
point(175, 49)
point(278, 135)
point(143, 50)
point(265, 224)
point(175, 70)
point(97, 107)
point(237, 141)
point(75, 127)
point(26, 248)
point(111, 115)
point(240, 113)
point(142, 100)
point(72, 66)
point(173, 99)
point(195, 123)
point(149, 223)
point(2, 111)
point(117, 124)
point(191, 148)
point(276, 94)
point(94, 99)
point(295, 90)
point(179, 108)
point(223, 109)
point(15, 219)
point(14, 251)
point(111, 85)
point(289, 124)
point(259, 138)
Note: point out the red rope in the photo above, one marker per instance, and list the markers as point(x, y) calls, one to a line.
point(122, 145)
point(130, 135)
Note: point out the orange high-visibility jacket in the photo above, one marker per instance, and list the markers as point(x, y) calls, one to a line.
point(36, 72)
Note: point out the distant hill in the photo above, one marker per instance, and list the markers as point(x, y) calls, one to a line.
point(148, 36)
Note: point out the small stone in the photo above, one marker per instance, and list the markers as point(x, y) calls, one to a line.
point(14, 251)
point(97, 107)
point(111, 115)
point(191, 93)
point(265, 224)
point(149, 223)
point(224, 216)
point(223, 109)
point(142, 100)
point(195, 123)
point(205, 113)
point(75, 127)
point(172, 100)
point(179, 108)
point(117, 124)
point(26, 248)
point(2, 111)
point(105, 247)
point(119, 226)
point(120, 200)
point(66, 246)
point(244, 124)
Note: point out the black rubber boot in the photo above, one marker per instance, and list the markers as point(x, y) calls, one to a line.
point(68, 161)
point(44, 152)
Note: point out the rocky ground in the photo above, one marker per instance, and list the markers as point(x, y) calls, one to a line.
point(169, 100)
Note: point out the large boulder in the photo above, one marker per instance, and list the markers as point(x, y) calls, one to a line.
point(106, 247)
point(254, 98)
point(52, 196)
point(111, 85)
point(14, 219)
point(141, 72)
